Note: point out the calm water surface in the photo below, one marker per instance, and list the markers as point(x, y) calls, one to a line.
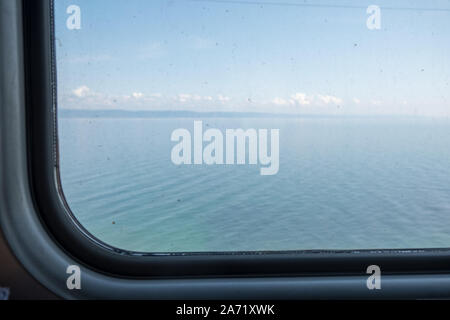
point(344, 183)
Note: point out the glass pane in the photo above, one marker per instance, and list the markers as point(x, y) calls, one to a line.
point(205, 126)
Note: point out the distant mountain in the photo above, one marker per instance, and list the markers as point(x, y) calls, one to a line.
point(78, 113)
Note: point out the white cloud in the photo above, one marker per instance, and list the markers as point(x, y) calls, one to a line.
point(84, 97)
point(184, 97)
point(282, 102)
point(222, 98)
point(326, 99)
point(137, 95)
point(82, 91)
point(301, 99)
point(356, 101)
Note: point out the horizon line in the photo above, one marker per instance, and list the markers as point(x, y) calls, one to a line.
point(118, 113)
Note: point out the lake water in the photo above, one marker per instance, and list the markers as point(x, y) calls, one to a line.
point(343, 183)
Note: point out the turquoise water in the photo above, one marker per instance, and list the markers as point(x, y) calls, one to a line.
point(343, 183)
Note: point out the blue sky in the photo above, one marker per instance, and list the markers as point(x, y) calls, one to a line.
point(281, 57)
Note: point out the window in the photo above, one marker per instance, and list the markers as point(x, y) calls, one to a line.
point(197, 126)
point(42, 218)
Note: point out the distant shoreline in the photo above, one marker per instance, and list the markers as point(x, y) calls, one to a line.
point(124, 114)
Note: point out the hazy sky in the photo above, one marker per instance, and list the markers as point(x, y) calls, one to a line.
point(284, 56)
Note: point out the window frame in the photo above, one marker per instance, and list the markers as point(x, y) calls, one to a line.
point(56, 212)
point(47, 238)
